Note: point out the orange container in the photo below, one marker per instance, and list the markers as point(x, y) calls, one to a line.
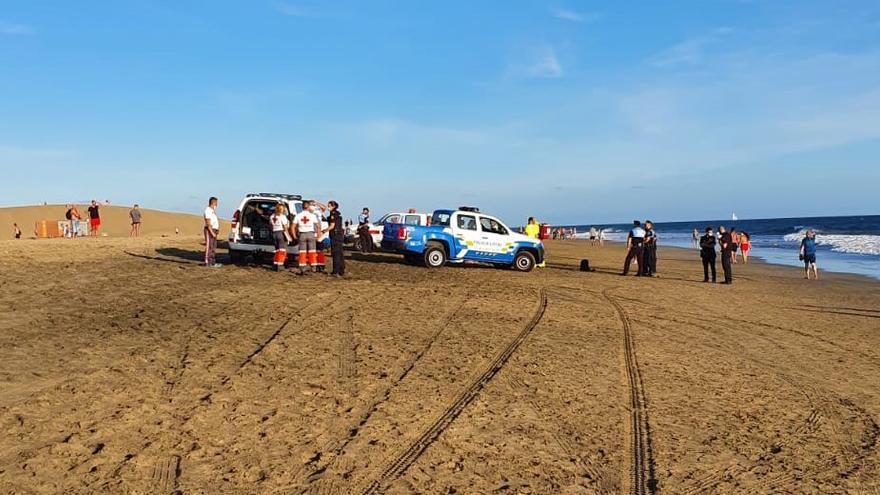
point(46, 229)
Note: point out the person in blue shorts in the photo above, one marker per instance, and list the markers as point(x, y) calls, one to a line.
point(808, 254)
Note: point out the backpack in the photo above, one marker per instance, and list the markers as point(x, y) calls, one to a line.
point(69, 215)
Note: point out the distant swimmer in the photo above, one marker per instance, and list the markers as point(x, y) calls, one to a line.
point(635, 249)
point(745, 245)
point(16, 232)
point(707, 254)
point(808, 254)
point(726, 242)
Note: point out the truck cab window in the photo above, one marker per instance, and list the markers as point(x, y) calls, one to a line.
point(467, 222)
point(492, 226)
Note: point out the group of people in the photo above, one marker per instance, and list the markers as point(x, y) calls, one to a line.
point(310, 229)
point(641, 248)
point(740, 242)
point(73, 218)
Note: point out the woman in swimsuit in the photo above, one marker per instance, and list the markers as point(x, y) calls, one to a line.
point(744, 246)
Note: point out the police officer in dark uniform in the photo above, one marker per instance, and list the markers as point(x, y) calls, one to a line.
point(650, 250)
point(634, 248)
point(726, 242)
point(337, 237)
point(707, 254)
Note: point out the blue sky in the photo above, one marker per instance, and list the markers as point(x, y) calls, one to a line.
point(574, 111)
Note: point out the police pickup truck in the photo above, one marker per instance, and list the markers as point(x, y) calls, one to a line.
point(465, 234)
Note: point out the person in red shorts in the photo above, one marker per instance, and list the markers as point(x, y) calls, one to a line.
point(94, 219)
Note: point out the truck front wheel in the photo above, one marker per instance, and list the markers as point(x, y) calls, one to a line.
point(524, 261)
point(434, 256)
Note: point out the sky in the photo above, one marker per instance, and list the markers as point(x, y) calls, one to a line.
point(571, 111)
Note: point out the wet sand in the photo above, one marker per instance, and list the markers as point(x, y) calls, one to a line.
point(127, 368)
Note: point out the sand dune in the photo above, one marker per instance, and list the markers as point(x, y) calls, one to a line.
point(114, 220)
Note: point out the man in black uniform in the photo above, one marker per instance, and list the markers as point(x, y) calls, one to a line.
point(726, 254)
point(707, 254)
point(634, 248)
point(650, 250)
point(337, 238)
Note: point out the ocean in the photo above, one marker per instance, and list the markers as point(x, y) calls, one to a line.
point(848, 244)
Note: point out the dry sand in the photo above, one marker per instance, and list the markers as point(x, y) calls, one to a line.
point(127, 368)
point(115, 221)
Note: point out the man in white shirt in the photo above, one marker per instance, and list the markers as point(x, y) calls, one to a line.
point(306, 225)
point(212, 230)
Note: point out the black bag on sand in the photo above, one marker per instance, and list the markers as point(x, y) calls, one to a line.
point(585, 266)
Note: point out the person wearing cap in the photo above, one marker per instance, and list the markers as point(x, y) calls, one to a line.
point(707, 254)
point(808, 254)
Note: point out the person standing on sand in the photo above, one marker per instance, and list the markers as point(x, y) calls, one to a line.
point(650, 249)
point(280, 226)
point(16, 232)
point(726, 242)
point(745, 245)
point(735, 237)
point(94, 219)
point(695, 236)
point(634, 249)
point(808, 254)
point(306, 226)
point(211, 230)
point(135, 215)
point(72, 215)
point(707, 254)
point(364, 231)
point(532, 229)
point(337, 238)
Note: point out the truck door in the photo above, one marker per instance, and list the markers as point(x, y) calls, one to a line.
point(494, 240)
point(466, 236)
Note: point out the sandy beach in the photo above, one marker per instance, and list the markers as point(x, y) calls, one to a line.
point(127, 368)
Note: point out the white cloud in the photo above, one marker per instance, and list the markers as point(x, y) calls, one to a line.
point(570, 15)
point(688, 52)
point(10, 28)
point(298, 10)
point(545, 64)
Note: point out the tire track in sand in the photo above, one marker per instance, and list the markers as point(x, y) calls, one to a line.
point(406, 458)
point(640, 477)
point(166, 470)
point(336, 448)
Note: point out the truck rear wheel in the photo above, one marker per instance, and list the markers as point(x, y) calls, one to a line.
point(434, 256)
point(524, 261)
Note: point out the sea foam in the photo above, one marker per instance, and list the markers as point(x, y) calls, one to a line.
point(843, 243)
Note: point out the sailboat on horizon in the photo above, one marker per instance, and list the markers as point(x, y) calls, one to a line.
point(733, 217)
